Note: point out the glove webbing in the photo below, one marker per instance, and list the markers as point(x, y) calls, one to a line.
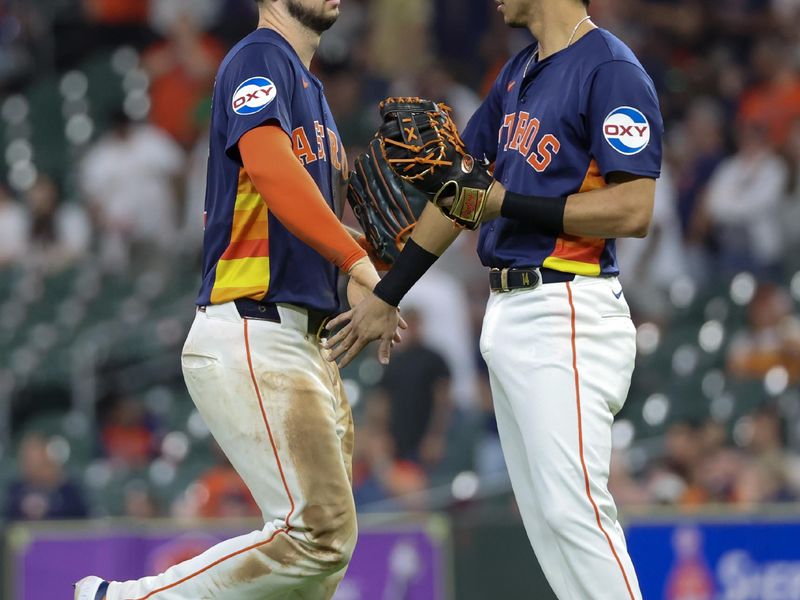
point(431, 154)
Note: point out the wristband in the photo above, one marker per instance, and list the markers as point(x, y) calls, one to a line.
point(413, 262)
point(546, 214)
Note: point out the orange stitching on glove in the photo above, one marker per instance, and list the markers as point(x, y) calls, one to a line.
point(423, 158)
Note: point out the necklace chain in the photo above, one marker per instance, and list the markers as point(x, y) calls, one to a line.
point(569, 43)
point(575, 31)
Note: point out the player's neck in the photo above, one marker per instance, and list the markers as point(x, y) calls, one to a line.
point(554, 24)
point(304, 41)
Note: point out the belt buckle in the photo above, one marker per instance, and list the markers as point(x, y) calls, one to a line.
point(321, 327)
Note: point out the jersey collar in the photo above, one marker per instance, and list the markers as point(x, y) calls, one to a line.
point(281, 41)
point(537, 64)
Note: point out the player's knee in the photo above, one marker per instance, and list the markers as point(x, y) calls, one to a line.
point(332, 532)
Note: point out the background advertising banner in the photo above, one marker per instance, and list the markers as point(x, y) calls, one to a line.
point(715, 560)
point(403, 563)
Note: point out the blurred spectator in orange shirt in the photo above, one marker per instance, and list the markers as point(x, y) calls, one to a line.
point(182, 69)
point(772, 338)
point(219, 492)
point(775, 98)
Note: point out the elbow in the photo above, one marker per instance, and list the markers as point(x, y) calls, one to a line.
point(637, 226)
point(641, 231)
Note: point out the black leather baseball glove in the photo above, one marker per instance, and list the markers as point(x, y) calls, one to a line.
point(386, 206)
point(420, 141)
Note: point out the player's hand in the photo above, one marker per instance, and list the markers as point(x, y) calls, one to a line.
point(356, 293)
point(369, 320)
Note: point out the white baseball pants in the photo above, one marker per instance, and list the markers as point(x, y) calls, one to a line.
point(278, 410)
point(560, 359)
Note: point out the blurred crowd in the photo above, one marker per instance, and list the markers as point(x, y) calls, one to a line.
point(728, 202)
point(700, 465)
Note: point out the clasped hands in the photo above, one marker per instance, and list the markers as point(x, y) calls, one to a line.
point(368, 319)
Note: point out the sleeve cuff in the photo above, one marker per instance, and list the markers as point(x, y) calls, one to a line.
point(354, 257)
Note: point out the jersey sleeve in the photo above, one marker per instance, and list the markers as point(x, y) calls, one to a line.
point(623, 120)
point(482, 132)
point(257, 89)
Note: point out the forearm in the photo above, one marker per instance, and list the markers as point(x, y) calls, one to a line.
point(611, 212)
point(620, 210)
point(434, 232)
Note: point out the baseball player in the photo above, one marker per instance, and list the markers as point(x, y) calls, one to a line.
point(253, 361)
point(574, 130)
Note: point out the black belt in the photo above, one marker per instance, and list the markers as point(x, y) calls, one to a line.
point(268, 311)
point(505, 280)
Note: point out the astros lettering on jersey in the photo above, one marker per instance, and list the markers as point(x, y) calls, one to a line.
point(565, 123)
point(247, 252)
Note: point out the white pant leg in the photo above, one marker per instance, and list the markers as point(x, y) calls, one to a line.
point(278, 411)
point(562, 405)
point(520, 473)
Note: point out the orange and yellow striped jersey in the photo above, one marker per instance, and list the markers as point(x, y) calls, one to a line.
point(247, 253)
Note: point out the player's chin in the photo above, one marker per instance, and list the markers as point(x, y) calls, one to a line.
point(325, 21)
point(331, 13)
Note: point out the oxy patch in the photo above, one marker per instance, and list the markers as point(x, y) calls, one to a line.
point(253, 95)
point(627, 130)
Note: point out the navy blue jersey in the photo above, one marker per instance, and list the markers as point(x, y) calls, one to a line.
point(247, 253)
point(560, 126)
